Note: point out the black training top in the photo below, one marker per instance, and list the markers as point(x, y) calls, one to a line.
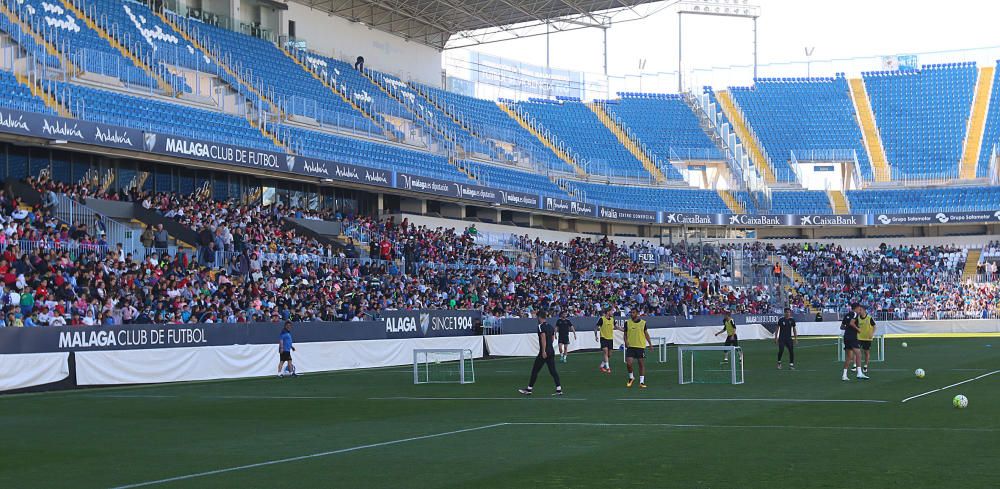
point(563, 325)
point(785, 326)
point(546, 329)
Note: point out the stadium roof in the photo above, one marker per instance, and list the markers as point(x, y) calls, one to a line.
point(435, 22)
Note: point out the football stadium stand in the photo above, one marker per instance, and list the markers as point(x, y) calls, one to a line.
point(922, 116)
point(812, 117)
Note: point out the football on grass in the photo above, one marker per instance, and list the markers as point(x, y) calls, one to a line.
point(960, 401)
point(919, 373)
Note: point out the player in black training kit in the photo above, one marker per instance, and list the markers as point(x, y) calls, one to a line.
point(852, 349)
point(546, 356)
point(786, 336)
point(564, 326)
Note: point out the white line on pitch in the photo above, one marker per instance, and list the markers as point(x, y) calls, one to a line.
point(873, 401)
point(748, 427)
point(310, 456)
point(950, 386)
point(159, 396)
point(537, 396)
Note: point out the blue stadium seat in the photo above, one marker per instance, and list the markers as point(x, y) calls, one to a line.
point(917, 200)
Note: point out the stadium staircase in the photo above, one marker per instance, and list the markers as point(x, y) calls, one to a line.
point(385, 130)
point(977, 123)
point(971, 259)
point(225, 67)
point(731, 202)
point(793, 278)
point(602, 115)
point(545, 141)
point(430, 100)
point(873, 141)
point(85, 17)
point(838, 201)
point(735, 116)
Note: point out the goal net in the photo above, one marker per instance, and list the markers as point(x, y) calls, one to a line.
point(710, 364)
point(443, 366)
point(878, 349)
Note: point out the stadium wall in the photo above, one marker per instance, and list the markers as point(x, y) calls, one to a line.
point(342, 39)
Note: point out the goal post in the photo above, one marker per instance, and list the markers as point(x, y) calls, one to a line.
point(710, 365)
point(443, 366)
point(878, 349)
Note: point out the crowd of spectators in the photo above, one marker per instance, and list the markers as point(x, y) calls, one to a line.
point(270, 273)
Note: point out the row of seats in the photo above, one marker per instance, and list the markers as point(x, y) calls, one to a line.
point(668, 128)
point(82, 45)
point(368, 153)
point(27, 43)
point(162, 117)
point(652, 198)
point(922, 117)
point(574, 125)
point(802, 115)
point(800, 201)
point(991, 132)
point(14, 95)
point(289, 86)
point(918, 200)
point(485, 119)
point(511, 179)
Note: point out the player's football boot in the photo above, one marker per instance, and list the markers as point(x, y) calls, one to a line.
point(630, 382)
point(526, 392)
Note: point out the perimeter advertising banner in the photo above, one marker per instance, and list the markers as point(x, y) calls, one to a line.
point(934, 218)
point(70, 130)
point(404, 324)
point(445, 188)
point(429, 323)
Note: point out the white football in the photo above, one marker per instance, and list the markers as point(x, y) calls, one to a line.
point(905, 345)
point(919, 373)
point(960, 401)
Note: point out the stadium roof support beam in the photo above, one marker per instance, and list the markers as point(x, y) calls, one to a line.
point(471, 22)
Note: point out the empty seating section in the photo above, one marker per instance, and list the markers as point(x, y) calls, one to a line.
point(439, 120)
point(666, 125)
point(991, 133)
point(573, 124)
point(358, 88)
point(27, 42)
point(14, 95)
point(367, 153)
point(511, 179)
point(804, 115)
point(922, 117)
point(800, 202)
point(652, 198)
point(84, 47)
point(485, 119)
point(149, 38)
point(916, 200)
point(163, 117)
point(287, 84)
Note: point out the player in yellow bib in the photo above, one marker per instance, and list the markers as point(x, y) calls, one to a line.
point(605, 333)
point(636, 342)
point(866, 333)
point(729, 327)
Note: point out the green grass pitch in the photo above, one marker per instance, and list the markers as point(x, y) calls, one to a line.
point(375, 429)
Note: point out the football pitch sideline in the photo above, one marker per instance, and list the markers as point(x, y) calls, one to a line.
point(375, 429)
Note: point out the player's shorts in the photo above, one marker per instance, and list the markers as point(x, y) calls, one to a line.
point(865, 344)
point(609, 344)
point(286, 356)
point(786, 341)
point(732, 341)
point(564, 340)
point(851, 344)
point(635, 353)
